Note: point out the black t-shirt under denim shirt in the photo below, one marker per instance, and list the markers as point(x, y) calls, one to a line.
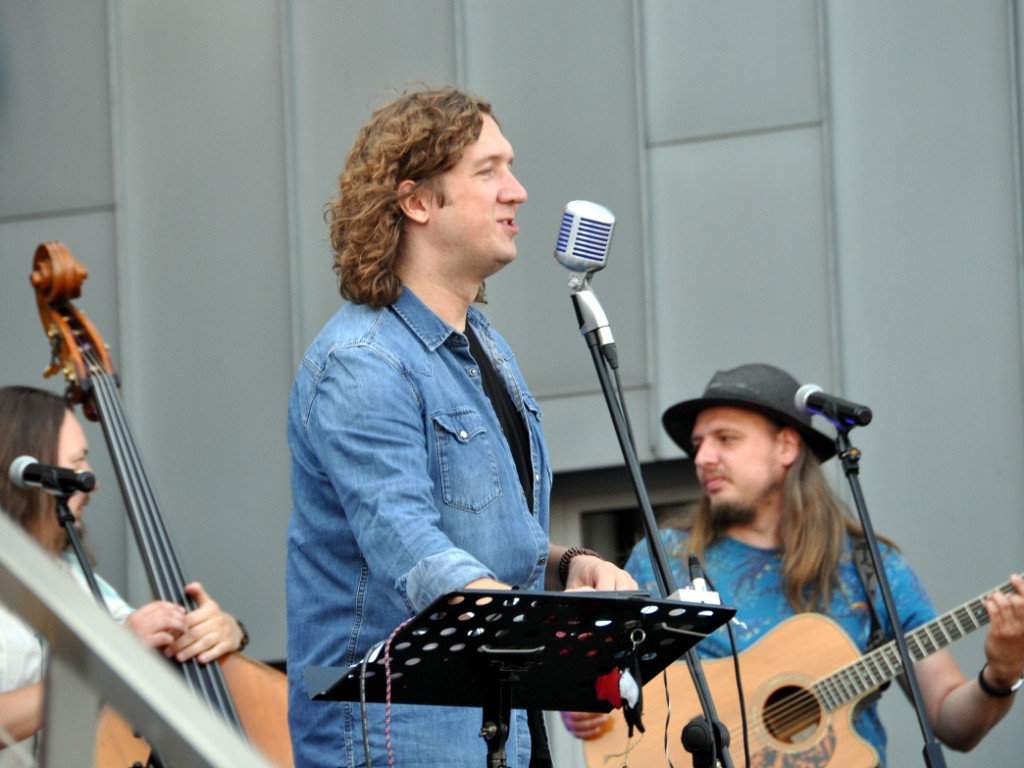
point(511, 422)
point(514, 429)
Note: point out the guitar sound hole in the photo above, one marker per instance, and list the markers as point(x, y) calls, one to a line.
point(791, 714)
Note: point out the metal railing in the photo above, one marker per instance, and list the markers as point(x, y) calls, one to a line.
point(93, 661)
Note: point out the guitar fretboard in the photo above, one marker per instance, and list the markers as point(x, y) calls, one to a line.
point(883, 664)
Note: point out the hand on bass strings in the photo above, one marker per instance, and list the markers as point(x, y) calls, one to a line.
point(158, 624)
point(211, 632)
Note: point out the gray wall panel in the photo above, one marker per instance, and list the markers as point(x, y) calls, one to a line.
point(714, 68)
point(739, 238)
point(926, 230)
point(207, 341)
point(563, 83)
point(930, 298)
point(345, 56)
point(54, 107)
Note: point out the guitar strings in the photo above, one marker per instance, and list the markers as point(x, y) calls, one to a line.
point(861, 677)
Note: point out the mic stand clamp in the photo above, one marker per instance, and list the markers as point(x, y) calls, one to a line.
point(497, 714)
point(699, 740)
point(850, 459)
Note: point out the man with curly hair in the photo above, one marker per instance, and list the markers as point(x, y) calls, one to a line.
point(418, 462)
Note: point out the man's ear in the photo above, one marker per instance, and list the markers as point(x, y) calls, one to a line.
point(414, 202)
point(789, 442)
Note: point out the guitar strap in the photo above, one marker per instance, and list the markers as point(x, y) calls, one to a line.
point(868, 577)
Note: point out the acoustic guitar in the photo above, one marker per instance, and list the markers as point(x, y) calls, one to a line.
point(801, 683)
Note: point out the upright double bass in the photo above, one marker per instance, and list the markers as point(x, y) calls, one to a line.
point(251, 696)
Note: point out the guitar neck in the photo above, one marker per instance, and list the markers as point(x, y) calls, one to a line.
point(876, 668)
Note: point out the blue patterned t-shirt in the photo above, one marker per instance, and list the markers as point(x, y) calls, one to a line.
point(750, 579)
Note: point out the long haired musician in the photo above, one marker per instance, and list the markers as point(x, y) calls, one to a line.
point(781, 547)
point(37, 423)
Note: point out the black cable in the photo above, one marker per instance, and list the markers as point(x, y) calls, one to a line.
point(374, 649)
point(736, 668)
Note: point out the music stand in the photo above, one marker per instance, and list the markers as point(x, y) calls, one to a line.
point(501, 650)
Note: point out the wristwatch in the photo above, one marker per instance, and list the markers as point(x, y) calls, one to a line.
point(245, 635)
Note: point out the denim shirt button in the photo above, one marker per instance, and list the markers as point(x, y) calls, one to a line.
point(542, 561)
point(472, 371)
point(463, 434)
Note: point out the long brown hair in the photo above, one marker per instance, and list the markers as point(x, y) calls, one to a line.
point(813, 529)
point(30, 421)
point(417, 136)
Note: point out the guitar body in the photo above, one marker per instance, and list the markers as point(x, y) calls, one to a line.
point(117, 745)
point(260, 693)
point(809, 738)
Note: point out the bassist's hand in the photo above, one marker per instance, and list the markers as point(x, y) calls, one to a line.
point(211, 632)
point(157, 624)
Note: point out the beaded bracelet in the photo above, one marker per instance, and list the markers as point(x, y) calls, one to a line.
point(567, 556)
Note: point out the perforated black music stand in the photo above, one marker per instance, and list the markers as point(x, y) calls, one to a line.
point(501, 650)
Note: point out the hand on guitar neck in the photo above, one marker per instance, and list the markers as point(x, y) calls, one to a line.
point(804, 680)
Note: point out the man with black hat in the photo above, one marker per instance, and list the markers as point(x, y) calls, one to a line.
point(777, 542)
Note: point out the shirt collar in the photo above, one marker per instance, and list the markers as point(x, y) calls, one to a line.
point(430, 329)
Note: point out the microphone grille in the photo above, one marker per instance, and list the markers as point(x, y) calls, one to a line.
point(800, 398)
point(18, 469)
point(584, 236)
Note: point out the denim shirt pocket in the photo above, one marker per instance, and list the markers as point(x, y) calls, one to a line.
point(468, 469)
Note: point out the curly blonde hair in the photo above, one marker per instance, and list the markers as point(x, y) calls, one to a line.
point(417, 136)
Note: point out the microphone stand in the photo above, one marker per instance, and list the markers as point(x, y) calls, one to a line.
point(850, 458)
point(67, 520)
point(710, 739)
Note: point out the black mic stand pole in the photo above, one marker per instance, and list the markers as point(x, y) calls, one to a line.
point(850, 458)
point(594, 327)
point(67, 520)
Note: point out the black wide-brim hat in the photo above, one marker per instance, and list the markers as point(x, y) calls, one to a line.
point(756, 387)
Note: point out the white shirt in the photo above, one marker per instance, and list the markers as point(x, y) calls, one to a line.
point(23, 650)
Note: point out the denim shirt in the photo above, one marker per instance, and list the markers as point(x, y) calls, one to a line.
point(403, 489)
